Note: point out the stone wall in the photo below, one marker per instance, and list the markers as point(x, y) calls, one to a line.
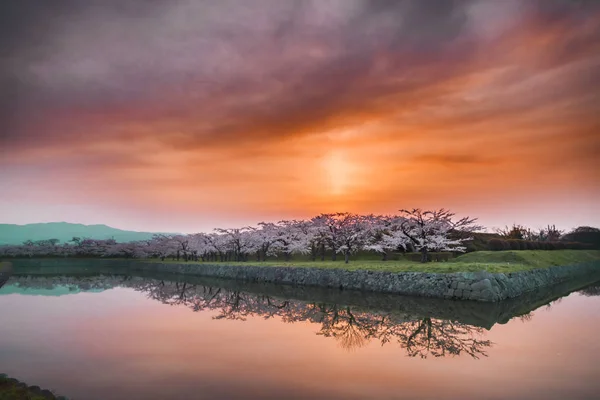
point(478, 286)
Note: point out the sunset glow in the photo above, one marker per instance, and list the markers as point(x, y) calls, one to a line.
point(186, 115)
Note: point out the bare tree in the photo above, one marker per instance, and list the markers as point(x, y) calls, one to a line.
point(514, 232)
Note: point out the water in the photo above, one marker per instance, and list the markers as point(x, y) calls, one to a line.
point(162, 337)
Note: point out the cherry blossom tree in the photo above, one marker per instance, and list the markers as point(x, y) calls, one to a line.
point(291, 238)
point(329, 225)
point(320, 234)
point(162, 246)
point(266, 236)
point(241, 241)
point(216, 246)
point(128, 250)
point(386, 235)
point(351, 233)
point(310, 236)
point(182, 243)
point(430, 230)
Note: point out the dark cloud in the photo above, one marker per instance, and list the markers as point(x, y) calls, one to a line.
point(425, 25)
point(224, 71)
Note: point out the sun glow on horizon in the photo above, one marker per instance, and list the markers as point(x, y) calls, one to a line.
point(339, 172)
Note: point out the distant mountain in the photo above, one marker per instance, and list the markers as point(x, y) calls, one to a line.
point(64, 231)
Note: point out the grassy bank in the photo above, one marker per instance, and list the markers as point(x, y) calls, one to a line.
point(491, 261)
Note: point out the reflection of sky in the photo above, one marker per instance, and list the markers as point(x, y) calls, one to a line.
point(118, 343)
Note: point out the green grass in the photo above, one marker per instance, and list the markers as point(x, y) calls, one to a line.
point(532, 258)
point(491, 261)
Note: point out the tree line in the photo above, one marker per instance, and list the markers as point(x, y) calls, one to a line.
point(323, 236)
point(519, 237)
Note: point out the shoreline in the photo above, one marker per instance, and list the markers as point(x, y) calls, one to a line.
point(476, 286)
point(480, 314)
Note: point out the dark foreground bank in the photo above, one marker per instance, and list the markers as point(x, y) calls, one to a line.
point(13, 389)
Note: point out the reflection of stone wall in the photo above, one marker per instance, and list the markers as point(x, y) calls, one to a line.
point(478, 286)
point(422, 326)
point(419, 333)
point(480, 314)
point(5, 271)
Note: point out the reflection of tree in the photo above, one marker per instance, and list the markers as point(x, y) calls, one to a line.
point(352, 331)
point(352, 328)
point(526, 317)
point(593, 290)
point(420, 337)
point(440, 338)
point(553, 303)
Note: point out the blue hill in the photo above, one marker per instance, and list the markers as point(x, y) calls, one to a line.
point(64, 231)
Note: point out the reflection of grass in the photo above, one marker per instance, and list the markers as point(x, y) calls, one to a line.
point(491, 261)
point(12, 389)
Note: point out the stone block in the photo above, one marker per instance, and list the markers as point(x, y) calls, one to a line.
point(474, 295)
point(481, 275)
point(482, 285)
point(487, 295)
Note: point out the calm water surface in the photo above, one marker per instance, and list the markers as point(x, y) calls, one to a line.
point(118, 337)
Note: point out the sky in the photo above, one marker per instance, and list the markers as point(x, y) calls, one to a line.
point(188, 115)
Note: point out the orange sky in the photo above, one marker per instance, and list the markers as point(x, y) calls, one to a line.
point(189, 116)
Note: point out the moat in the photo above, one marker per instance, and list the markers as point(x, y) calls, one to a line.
point(164, 336)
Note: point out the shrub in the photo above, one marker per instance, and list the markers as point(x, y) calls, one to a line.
point(498, 245)
point(523, 244)
point(441, 256)
point(514, 244)
point(433, 256)
point(579, 246)
point(584, 234)
point(470, 247)
point(559, 245)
